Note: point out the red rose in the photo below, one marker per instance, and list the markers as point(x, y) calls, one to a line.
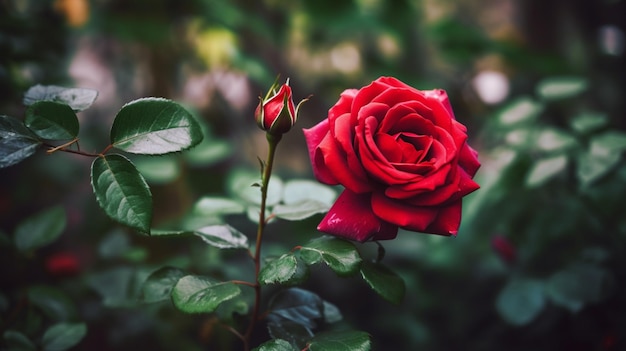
point(402, 158)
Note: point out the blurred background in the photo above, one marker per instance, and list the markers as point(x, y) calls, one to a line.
point(538, 263)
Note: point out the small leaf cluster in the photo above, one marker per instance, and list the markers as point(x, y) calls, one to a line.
point(35, 314)
point(147, 126)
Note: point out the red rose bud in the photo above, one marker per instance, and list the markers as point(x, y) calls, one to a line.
point(503, 247)
point(62, 264)
point(276, 113)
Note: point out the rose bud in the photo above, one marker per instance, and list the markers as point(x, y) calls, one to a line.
point(63, 264)
point(503, 247)
point(401, 156)
point(276, 113)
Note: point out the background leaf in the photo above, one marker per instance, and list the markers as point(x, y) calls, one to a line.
point(40, 229)
point(63, 336)
point(545, 169)
point(77, 98)
point(521, 301)
point(154, 126)
point(122, 192)
point(52, 120)
point(223, 237)
point(159, 285)
point(16, 141)
point(385, 282)
point(340, 255)
point(196, 294)
point(556, 88)
point(54, 303)
point(341, 341)
point(300, 210)
point(212, 206)
point(578, 285)
point(16, 341)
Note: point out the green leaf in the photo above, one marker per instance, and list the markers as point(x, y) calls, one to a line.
point(545, 169)
point(209, 152)
point(294, 313)
point(341, 341)
point(301, 190)
point(286, 269)
point(587, 122)
point(158, 170)
point(340, 255)
point(223, 237)
point(215, 206)
point(77, 98)
point(301, 210)
point(16, 341)
point(122, 192)
point(558, 88)
point(275, 345)
point(16, 141)
point(119, 286)
point(54, 303)
point(196, 294)
point(154, 126)
point(603, 155)
point(578, 285)
point(552, 139)
point(523, 109)
point(52, 120)
point(40, 229)
point(385, 282)
point(241, 184)
point(521, 301)
point(159, 285)
point(63, 336)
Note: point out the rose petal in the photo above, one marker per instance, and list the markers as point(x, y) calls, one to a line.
point(403, 215)
point(447, 222)
point(314, 137)
point(468, 160)
point(351, 217)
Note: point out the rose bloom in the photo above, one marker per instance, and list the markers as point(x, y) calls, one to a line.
point(402, 158)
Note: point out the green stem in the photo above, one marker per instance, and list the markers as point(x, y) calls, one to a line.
point(265, 179)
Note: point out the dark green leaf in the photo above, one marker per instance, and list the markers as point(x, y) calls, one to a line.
point(557, 88)
point(115, 244)
point(341, 341)
point(300, 211)
point(521, 301)
point(77, 98)
point(63, 336)
point(385, 282)
point(294, 313)
point(340, 255)
point(16, 141)
point(284, 270)
point(52, 120)
point(154, 126)
point(209, 152)
point(54, 303)
point(196, 294)
point(16, 341)
point(223, 237)
point(578, 285)
point(275, 345)
point(159, 285)
point(41, 229)
point(122, 192)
